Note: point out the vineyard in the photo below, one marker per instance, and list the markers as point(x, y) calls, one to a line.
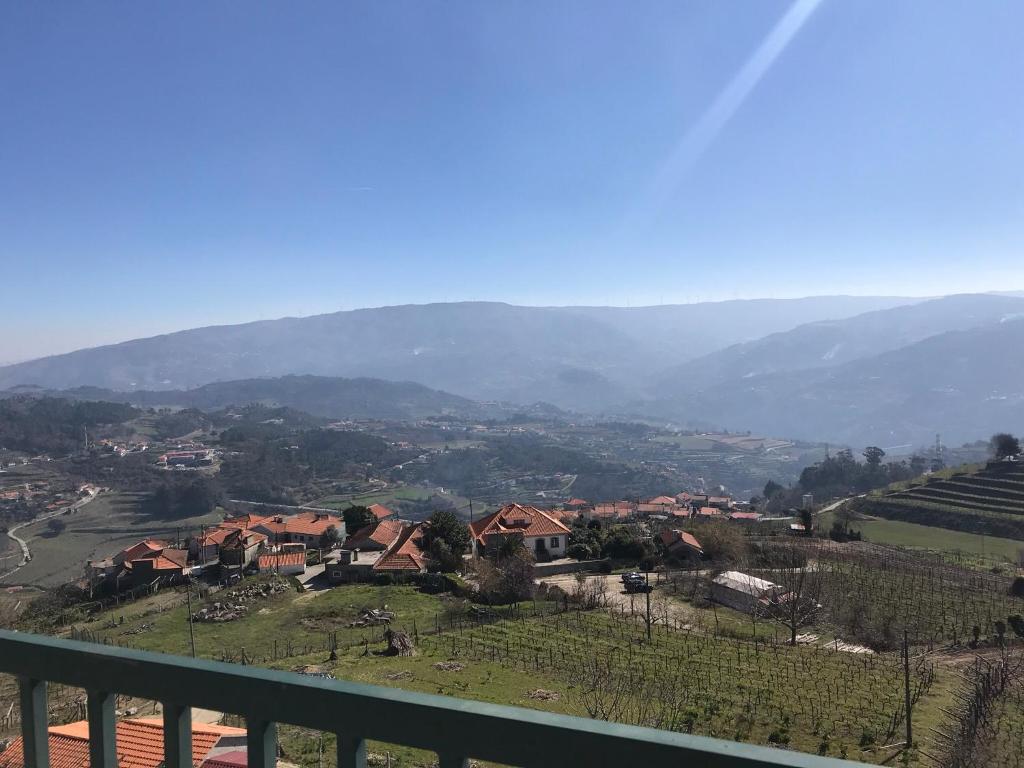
point(812, 699)
point(872, 594)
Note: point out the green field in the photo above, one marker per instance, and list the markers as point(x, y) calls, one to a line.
point(588, 663)
point(903, 534)
point(102, 527)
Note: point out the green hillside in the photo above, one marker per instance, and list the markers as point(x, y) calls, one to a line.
point(987, 500)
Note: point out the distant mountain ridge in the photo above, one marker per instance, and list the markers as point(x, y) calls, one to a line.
point(859, 370)
point(584, 358)
point(328, 397)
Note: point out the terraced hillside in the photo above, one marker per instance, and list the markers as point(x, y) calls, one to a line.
point(989, 501)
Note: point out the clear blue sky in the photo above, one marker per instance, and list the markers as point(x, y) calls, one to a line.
point(168, 165)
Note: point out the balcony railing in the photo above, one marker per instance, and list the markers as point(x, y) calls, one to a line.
point(455, 729)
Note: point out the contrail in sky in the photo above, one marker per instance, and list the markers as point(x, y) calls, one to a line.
point(700, 136)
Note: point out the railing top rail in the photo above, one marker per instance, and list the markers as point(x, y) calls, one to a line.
point(509, 735)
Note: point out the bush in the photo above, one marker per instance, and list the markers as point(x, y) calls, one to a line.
point(383, 579)
point(605, 567)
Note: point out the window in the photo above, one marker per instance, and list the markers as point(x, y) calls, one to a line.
point(554, 542)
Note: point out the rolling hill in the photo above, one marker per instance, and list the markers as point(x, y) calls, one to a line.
point(965, 384)
point(575, 357)
point(329, 397)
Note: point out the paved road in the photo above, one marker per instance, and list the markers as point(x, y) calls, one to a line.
point(26, 553)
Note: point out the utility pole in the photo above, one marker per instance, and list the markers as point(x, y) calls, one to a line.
point(647, 594)
point(191, 631)
point(906, 688)
point(471, 510)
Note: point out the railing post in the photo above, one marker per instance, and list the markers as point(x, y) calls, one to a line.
point(177, 736)
point(261, 743)
point(35, 736)
point(102, 729)
point(351, 752)
point(449, 760)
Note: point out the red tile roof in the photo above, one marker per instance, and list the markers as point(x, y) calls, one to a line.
point(675, 538)
point(140, 744)
point(147, 548)
point(281, 560)
point(744, 516)
point(664, 500)
point(236, 758)
point(380, 511)
point(710, 512)
point(516, 518)
point(577, 503)
point(312, 524)
point(406, 554)
point(383, 535)
point(244, 521)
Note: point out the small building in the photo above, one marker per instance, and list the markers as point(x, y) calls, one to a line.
point(544, 535)
point(381, 512)
point(720, 502)
point(240, 547)
point(680, 544)
point(389, 546)
point(745, 517)
point(743, 592)
point(288, 562)
point(576, 504)
point(710, 513)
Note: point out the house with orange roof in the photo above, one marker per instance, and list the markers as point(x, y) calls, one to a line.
point(168, 565)
point(139, 743)
point(612, 510)
point(287, 562)
point(388, 546)
point(544, 535)
point(710, 513)
point(381, 512)
point(407, 554)
point(576, 504)
point(240, 547)
point(680, 544)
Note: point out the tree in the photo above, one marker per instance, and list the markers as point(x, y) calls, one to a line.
point(807, 520)
point(1004, 445)
point(797, 605)
point(771, 489)
point(444, 525)
point(357, 517)
point(873, 455)
point(329, 537)
point(56, 526)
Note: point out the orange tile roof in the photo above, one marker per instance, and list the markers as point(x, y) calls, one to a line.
point(140, 744)
point(383, 535)
point(665, 500)
point(710, 512)
point(516, 518)
point(672, 538)
point(311, 524)
point(406, 554)
point(244, 521)
point(282, 559)
point(744, 516)
point(146, 548)
point(380, 511)
point(577, 503)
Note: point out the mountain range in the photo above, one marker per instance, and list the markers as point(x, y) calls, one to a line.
point(858, 370)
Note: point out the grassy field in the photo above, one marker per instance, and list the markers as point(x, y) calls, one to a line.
point(99, 529)
point(811, 699)
point(391, 496)
point(904, 534)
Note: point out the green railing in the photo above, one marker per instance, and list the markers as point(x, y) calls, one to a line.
point(455, 729)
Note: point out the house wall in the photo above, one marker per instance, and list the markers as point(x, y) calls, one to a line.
point(732, 598)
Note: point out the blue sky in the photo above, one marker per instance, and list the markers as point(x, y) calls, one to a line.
point(168, 165)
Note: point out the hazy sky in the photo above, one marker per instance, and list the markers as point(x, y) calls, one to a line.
point(168, 165)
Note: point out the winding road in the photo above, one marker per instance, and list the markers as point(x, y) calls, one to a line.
point(26, 553)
